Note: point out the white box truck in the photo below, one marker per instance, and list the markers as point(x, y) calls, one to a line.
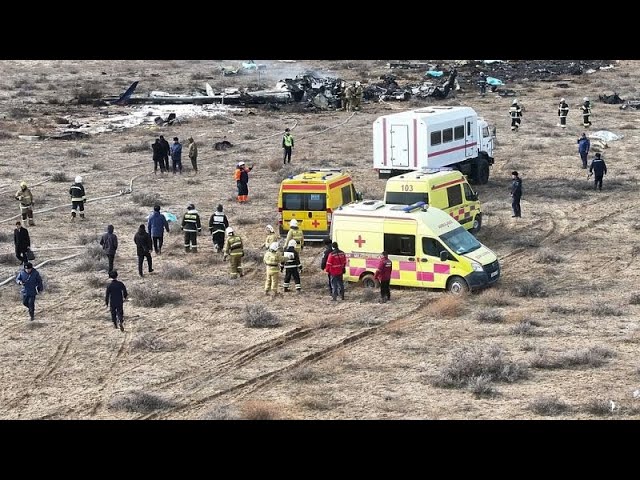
point(431, 138)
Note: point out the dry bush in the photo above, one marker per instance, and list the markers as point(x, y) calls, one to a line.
point(128, 213)
point(147, 199)
point(489, 315)
point(8, 259)
point(221, 412)
point(145, 296)
point(135, 147)
point(140, 402)
point(260, 410)
point(247, 220)
point(153, 343)
point(176, 272)
point(525, 242)
point(548, 406)
point(95, 259)
point(598, 309)
point(317, 127)
point(495, 297)
point(5, 237)
point(628, 126)
point(257, 316)
point(95, 282)
point(563, 310)
point(469, 363)
point(98, 167)
point(596, 406)
point(524, 328)
point(76, 153)
point(320, 403)
point(634, 299)
point(592, 357)
point(303, 374)
point(534, 146)
point(369, 295)
point(17, 113)
point(87, 238)
point(286, 171)
point(482, 387)
point(447, 306)
point(533, 288)
point(59, 177)
point(546, 255)
point(251, 255)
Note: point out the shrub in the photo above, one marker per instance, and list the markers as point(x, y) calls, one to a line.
point(546, 255)
point(323, 402)
point(135, 147)
point(76, 153)
point(481, 386)
point(599, 407)
point(8, 259)
point(150, 342)
point(87, 238)
point(563, 310)
point(5, 237)
point(523, 328)
point(98, 167)
point(145, 296)
point(489, 315)
point(495, 297)
point(259, 410)
point(140, 402)
point(635, 299)
point(59, 177)
point(447, 305)
point(548, 406)
point(251, 255)
point(96, 282)
point(303, 374)
point(221, 412)
point(257, 316)
point(604, 310)
point(529, 288)
point(146, 199)
point(176, 272)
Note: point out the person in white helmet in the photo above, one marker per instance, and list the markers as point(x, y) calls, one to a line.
point(272, 236)
point(296, 234)
point(233, 249)
point(292, 266)
point(78, 198)
point(272, 259)
point(358, 93)
point(586, 112)
point(25, 197)
point(515, 112)
point(563, 112)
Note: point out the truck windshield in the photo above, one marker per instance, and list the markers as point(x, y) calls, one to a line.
point(460, 241)
point(405, 198)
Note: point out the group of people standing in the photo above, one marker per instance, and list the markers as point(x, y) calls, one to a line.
point(515, 113)
point(162, 151)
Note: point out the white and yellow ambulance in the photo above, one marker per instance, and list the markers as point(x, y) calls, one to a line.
point(446, 189)
point(428, 248)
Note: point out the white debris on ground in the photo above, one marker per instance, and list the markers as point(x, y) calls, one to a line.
point(145, 115)
point(606, 135)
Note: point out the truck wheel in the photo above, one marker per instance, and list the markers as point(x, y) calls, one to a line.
point(477, 223)
point(368, 281)
point(457, 285)
point(482, 171)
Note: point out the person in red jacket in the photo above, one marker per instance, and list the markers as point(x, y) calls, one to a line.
point(336, 267)
point(383, 275)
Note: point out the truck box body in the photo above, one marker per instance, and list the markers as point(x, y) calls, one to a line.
point(433, 137)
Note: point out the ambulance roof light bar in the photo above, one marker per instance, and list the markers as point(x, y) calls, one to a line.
point(414, 206)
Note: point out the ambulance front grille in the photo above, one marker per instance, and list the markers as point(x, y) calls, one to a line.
point(492, 267)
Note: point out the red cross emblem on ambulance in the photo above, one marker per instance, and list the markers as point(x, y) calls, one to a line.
point(359, 241)
point(315, 223)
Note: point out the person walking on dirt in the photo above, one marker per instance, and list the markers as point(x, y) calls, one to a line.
point(336, 267)
point(287, 145)
point(78, 198)
point(515, 112)
point(383, 275)
point(563, 112)
point(218, 223)
point(25, 198)
point(272, 236)
point(272, 259)
point(114, 298)
point(599, 169)
point(193, 154)
point(295, 234)
point(191, 226)
point(233, 248)
point(32, 285)
point(176, 156)
point(586, 112)
point(22, 242)
point(241, 176)
point(325, 256)
point(166, 151)
point(158, 156)
point(157, 225)
point(583, 148)
point(143, 249)
point(291, 263)
point(109, 242)
point(516, 194)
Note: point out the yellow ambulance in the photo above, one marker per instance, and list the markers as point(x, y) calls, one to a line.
point(311, 198)
point(446, 189)
point(428, 248)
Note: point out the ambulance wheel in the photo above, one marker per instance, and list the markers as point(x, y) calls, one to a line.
point(483, 171)
point(457, 285)
point(368, 281)
point(477, 223)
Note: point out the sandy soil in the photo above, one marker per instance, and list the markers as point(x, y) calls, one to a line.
point(567, 349)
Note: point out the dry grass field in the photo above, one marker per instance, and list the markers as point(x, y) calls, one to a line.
point(557, 337)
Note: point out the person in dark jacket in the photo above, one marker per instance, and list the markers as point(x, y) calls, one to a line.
point(78, 198)
point(516, 194)
point(383, 275)
point(143, 248)
point(586, 112)
point(32, 285)
point(166, 151)
point(583, 148)
point(22, 242)
point(325, 255)
point(191, 227)
point(115, 298)
point(599, 169)
point(176, 155)
point(109, 242)
point(336, 267)
point(241, 176)
point(292, 266)
point(158, 156)
point(287, 145)
point(563, 112)
point(218, 223)
point(156, 225)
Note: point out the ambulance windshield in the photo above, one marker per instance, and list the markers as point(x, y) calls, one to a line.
point(460, 241)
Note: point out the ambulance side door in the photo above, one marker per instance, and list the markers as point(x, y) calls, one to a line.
point(432, 271)
point(401, 248)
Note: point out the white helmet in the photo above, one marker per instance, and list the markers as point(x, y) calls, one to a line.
point(292, 243)
point(78, 179)
point(270, 228)
point(229, 230)
point(514, 101)
point(562, 99)
point(293, 222)
point(274, 246)
point(585, 99)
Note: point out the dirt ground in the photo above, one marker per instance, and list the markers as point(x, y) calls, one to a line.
point(557, 337)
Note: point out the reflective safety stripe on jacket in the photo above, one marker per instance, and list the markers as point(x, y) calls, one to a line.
point(77, 193)
point(515, 112)
point(191, 222)
point(287, 140)
point(234, 245)
point(272, 260)
point(297, 235)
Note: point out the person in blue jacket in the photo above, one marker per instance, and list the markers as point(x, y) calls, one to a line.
point(31, 283)
point(583, 148)
point(156, 226)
